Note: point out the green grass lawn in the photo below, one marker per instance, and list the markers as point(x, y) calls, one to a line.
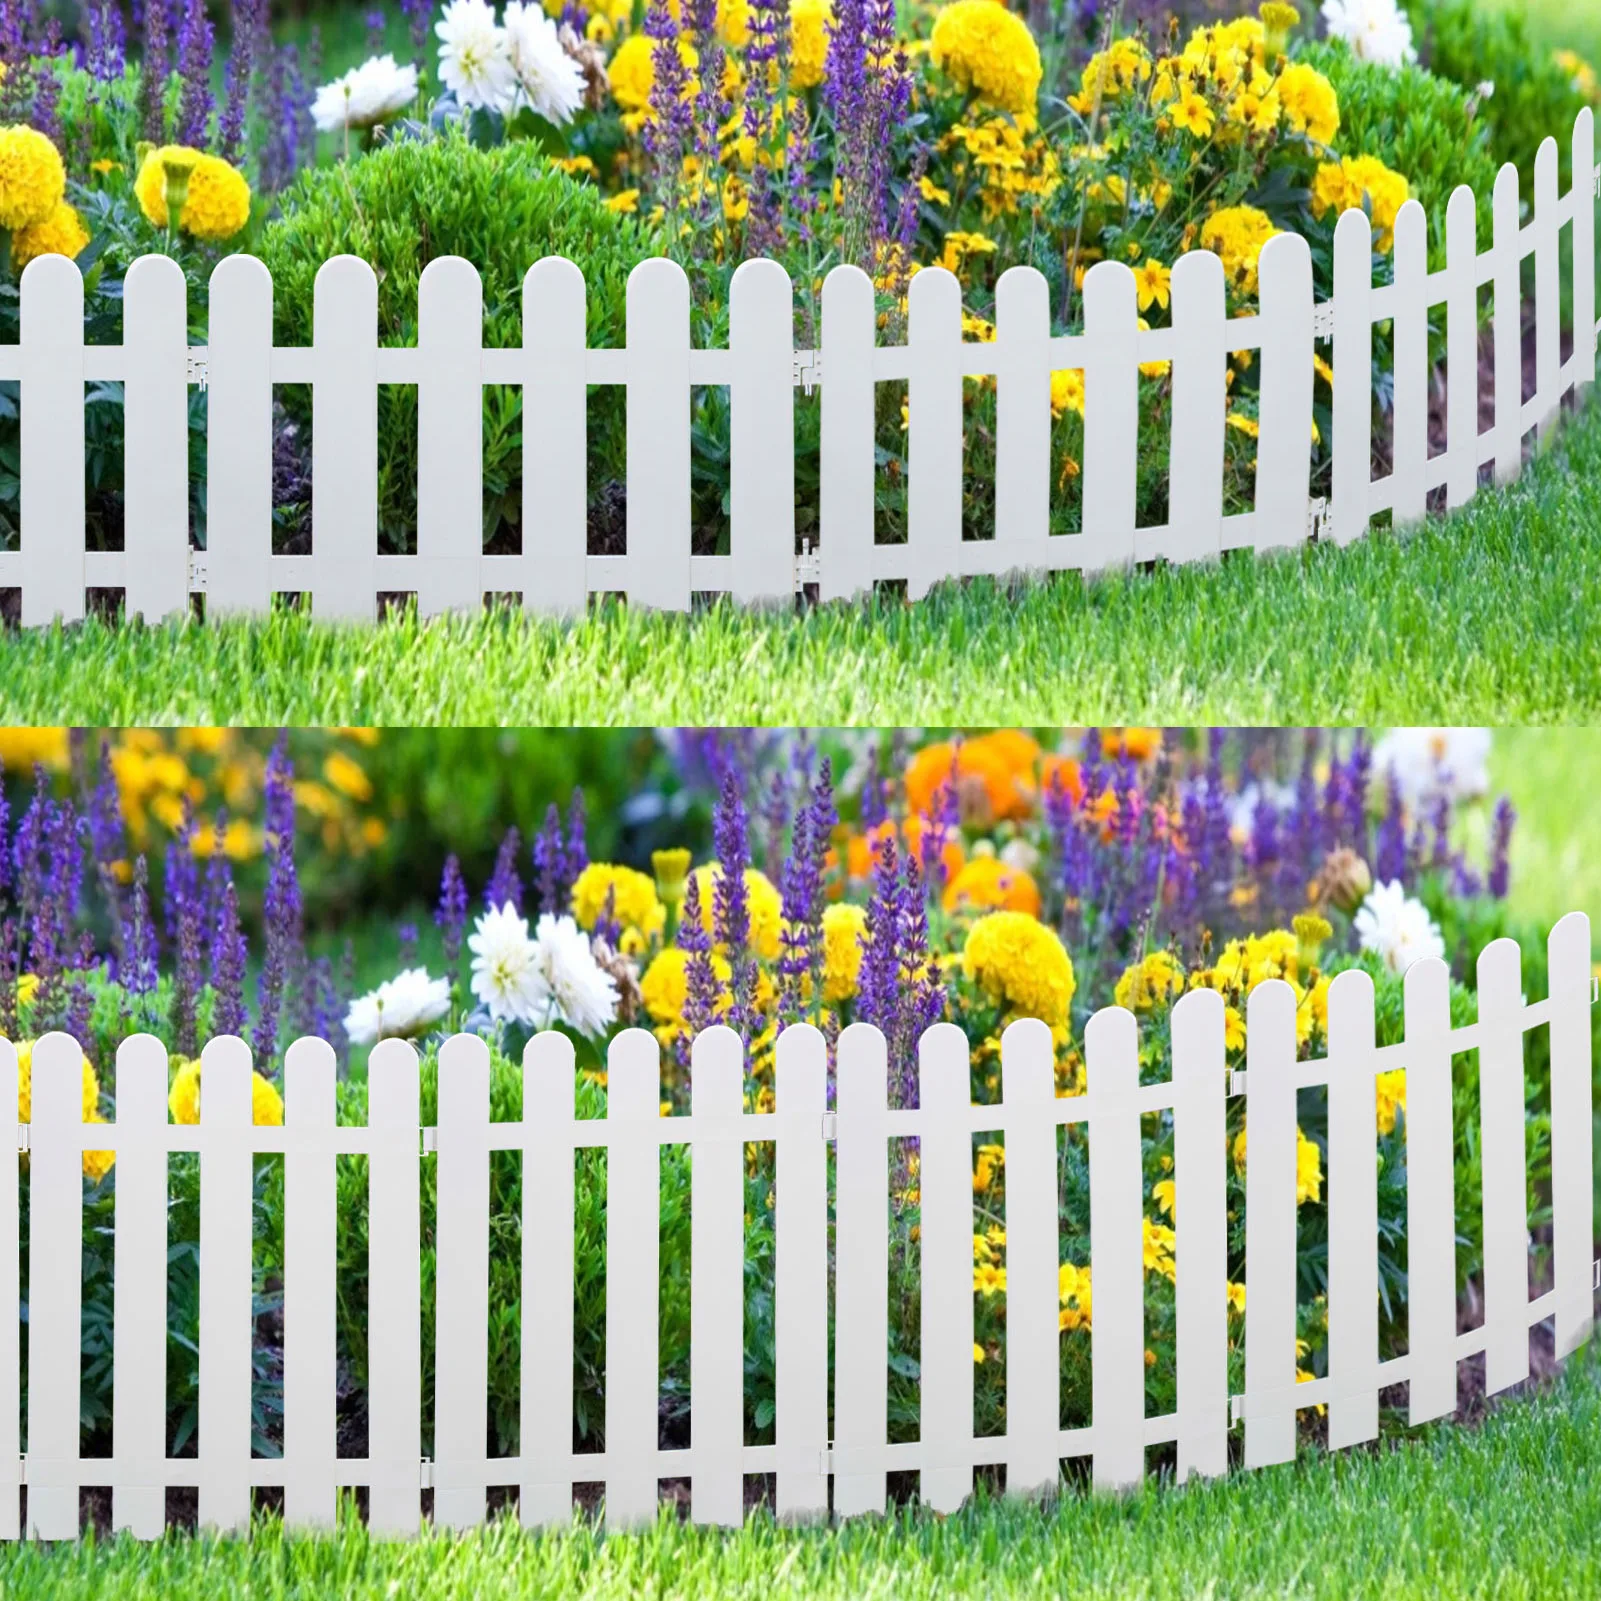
point(1489, 616)
point(1512, 1508)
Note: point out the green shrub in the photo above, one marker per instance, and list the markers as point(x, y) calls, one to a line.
point(502, 209)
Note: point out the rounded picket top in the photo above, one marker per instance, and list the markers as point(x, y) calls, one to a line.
point(58, 279)
point(549, 1061)
point(155, 275)
point(553, 302)
point(935, 293)
point(1198, 1029)
point(633, 1075)
point(1353, 234)
point(760, 284)
point(240, 274)
point(944, 1070)
point(716, 1070)
point(56, 1078)
point(1500, 964)
point(345, 297)
point(1351, 1010)
point(847, 293)
point(863, 1062)
point(464, 1080)
point(142, 1080)
point(800, 1064)
point(1461, 212)
point(225, 1082)
point(1019, 287)
point(1111, 1050)
point(1270, 1019)
point(310, 1068)
point(1109, 290)
point(657, 286)
point(1199, 273)
point(392, 1085)
point(451, 292)
point(1283, 254)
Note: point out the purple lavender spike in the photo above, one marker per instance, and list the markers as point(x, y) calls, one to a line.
point(10, 971)
point(451, 914)
point(577, 857)
point(155, 68)
point(504, 885)
point(700, 976)
point(249, 37)
point(186, 931)
point(1390, 843)
point(229, 957)
point(731, 900)
point(550, 862)
point(281, 908)
point(1500, 847)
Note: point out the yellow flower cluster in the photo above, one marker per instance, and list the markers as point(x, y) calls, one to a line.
point(1580, 73)
point(62, 233)
point(1073, 1291)
point(96, 1164)
point(1154, 982)
point(1111, 74)
point(987, 50)
point(1237, 234)
point(1345, 184)
point(33, 181)
point(213, 197)
point(843, 928)
point(1309, 103)
point(765, 903)
point(183, 1098)
point(1015, 166)
point(1021, 964)
point(634, 905)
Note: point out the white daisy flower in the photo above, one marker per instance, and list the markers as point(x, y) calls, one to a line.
point(473, 63)
point(1376, 30)
point(1428, 762)
point(548, 80)
point(578, 992)
point(505, 974)
point(400, 1008)
point(376, 91)
point(1398, 927)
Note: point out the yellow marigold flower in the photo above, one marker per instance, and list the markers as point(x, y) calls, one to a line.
point(1152, 284)
point(33, 181)
point(986, 48)
point(986, 883)
point(27, 988)
point(1236, 1298)
point(96, 1164)
point(1309, 102)
point(1067, 391)
point(843, 928)
point(1308, 1169)
point(1165, 1193)
point(1022, 964)
point(632, 70)
point(1242, 424)
point(809, 25)
point(1111, 73)
point(1193, 115)
point(1390, 1089)
point(978, 1352)
point(347, 776)
point(216, 197)
point(625, 201)
point(766, 906)
point(636, 908)
point(62, 233)
point(91, 1085)
point(989, 1279)
point(932, 191)
point(1346, 184)
point(1237, 234)
point(1158, 1249)
point(1150, 983)
point(183, 1098)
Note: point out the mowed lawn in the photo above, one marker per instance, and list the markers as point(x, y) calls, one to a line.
point(1488, 616)
point(1508, 1509)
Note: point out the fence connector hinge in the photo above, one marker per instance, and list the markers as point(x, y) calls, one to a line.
point(22, 1468)
point(22, 1137)
point(425, 1473)
point(1236, 1410)
point(430, 1140)
point(825, 1459)
point(1595, 988)
point(830, 1126)
point(198, 572)
point(1323, 319)
point(1317, 518)
point(1595, 1275)
point(808, 566)
point(199, 366)
point(1238, 1081)
point(808, 369)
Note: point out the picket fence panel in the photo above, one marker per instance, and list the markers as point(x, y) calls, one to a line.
point(864, 1129)
point(658, 367)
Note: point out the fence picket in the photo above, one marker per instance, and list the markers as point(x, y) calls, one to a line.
point(1270, 1130)
point(239, 438)
point(555, 517)
point(1353, 1175)
point(156, 439)
point(1117, 1253)
point(310, 1286)
point(50, 443)
point(344, 441)
point(934, 445)
point(1033, 1253)
point(1111, 418)
point(761, 345)
point(1547, 286)
point(1410, 447)
point(394, 1293)
point(800, 1290)
point(226, 1311)
point(1508, 282)
point(1201, 1224)
point(139, 1277)
point(1023, 415)
point(450, 437)
point(1572, 1155)
point(1352, 471)
point(1584, 324)
point(846, 462)
point(1430, 1201)
point(545, 1497)
point(633, 1258)
point(1200, 403)
point(55, 1284)
point(945, 1185)
point(10, 1307)
point(461, 1311)
point(658, 409)
point(1505, 1179)
point(1284, 444)
point(717, 1277)
point(1462, 347)
point(861, 1273)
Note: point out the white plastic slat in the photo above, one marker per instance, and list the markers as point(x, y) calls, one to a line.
point(945, 1183)
point(1430, 1195)
point(310, 1213)
point(461, 1312)
point(1284, 447)
point(800, 1291)
point(344, 441)
point(139, 1275)
point(1111, 420)
point(239, 438)
point(717, 1279)
point(1583, 250)
point(1353, 1180)
point(10, 1309)
point(1270, 1127)
point(1504, 1166)
point(1572, 1154)
point(633, 1260)
point(51, 445)
point(226, 1323)
point(1462, 348)
point(934, 448)
point(1117, 1254)
point(1201, 1225)
point(1033, 1337)
point(1353, 376)
point(761, 337)
point(1200, 403)
point(846, 455)
point(861, 1273)
point(1547, 287)
point(546, 1418)
point(658, 435)
point(1023, 415)
point(555, 533)
point(156, 439)
point(1508, 328)
point(394, 1293)
point(1411, 325)
point(450, 437)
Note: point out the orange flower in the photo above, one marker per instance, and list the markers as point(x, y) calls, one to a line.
point(861, 850)
point(1062, 770)
point(1015, 747)
point(951, 855)
point(979, 764)
point(1138, 743)
point(986, 883)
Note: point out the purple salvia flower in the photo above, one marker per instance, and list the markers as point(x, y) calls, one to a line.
point(1500, 845)
point(1389, 864)
point(775, 817)
point(376, 26)
point(218, 870)
point(505, 887)
point(140, 969)
point(283, 959)
point(874, 810)
point(229, 957)
point(46, 114)
point(1217, 853)
point(1359, 774)
point(550, 862)
point(155, 66)
point(406, 935)
point(10, 971)
point(5, 820)
point(577, 858)
point(418, 14)
point(766, 60)
point(700, 976)
point(795, 957)
point(104, 56)
point(668, 133)
point(822, 816)
point(1440, 822)
point(925, 1002)
point(942, 825)
point(878, 985)
point(80, 1003)
point(451, 914)
point(731, 899)
point(606, 925)
point(186, 930)
point(250, 36)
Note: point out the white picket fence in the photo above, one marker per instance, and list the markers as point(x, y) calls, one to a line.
point(344, 573)
point(807, 1454)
